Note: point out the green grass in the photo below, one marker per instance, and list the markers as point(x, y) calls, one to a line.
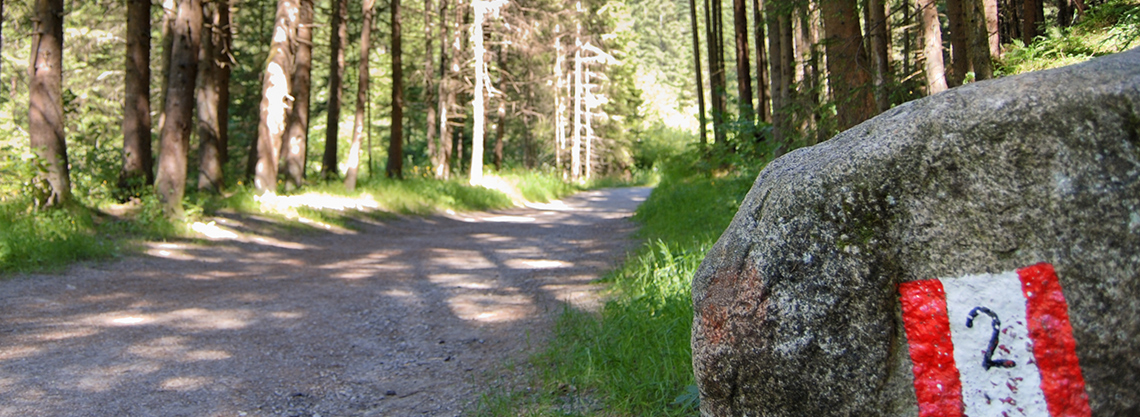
point(634, 358)
point(45, 240)
point(1106, 29)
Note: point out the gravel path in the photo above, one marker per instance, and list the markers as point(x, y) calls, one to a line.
point(402, 317)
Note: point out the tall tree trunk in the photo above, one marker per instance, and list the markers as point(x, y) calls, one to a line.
point(763, 107)
point(979, 40)
point(501, 115)
point(224, 72)
point(576, 145)
point(170, 182)
point(815, 80)
point(430, 96)
point(275, 98)
point(993, 33)
point(718, 76)
point(906, 48)
point(337, 41)
point(560, 103)
point(211, 61)
point(1064, 13)
point(847, 63)
point(138, 158)
point(932, 47)
point(1028, 21)
point(880, 50)
point(169, 14)
point(445, 95)
point(361, 98)
point(296, 143)
point(779, 72)
point(807, 99)
point(481, 7)
point(500, 127)
point(2, 33)
point(395, 168)
point(697, 65)
point(587, 111)
point(45, 109)
point(743, 71)
point(959, 41)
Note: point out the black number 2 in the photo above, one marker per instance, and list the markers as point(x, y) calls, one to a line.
point(988, 361)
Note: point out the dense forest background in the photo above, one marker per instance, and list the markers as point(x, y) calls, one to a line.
point(787, 73)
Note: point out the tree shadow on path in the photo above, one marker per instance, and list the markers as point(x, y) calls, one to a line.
point(400, 317)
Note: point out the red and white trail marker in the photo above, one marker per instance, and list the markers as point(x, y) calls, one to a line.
point(993, 345)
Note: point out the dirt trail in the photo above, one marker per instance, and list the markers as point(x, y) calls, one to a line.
point(404, 317)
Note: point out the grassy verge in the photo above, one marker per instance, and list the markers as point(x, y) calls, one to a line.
point(634, 358)
point(45, 240)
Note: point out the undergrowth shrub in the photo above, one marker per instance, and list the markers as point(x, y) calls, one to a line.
point(47, 239)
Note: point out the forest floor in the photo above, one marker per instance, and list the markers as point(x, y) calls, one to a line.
point(407, 316)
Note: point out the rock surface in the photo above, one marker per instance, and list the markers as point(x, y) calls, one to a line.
point(797, 307)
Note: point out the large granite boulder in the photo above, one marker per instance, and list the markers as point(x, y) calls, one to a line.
point(797, 306)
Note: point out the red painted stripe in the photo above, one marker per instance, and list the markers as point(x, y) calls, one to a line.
point(1054, 348)
point(936, 381)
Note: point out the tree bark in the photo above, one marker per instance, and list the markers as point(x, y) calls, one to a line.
point(721, 73)
point(815, 79)
point(1064, 13)
point(430, 96)
point(224, 73)
point(275, 98)
point(993, 33)
point(932, 47)
point(780, 74)
point(959, 41)
point(880, 50)
point(212, 61)
point(395, 168)
point(169, 14)
point(763, 106)
point(1028, 21)
point(45, 109)
point(560, 103)
point(501, 115)
point(743, 71)
point(138, 158)
point(361, 98)
point(2, 33)
point(458, 46)
point(697, 65)
point(847, 63)
point(296, 141)
point(716, 71)
point(339, 32)
point(979, 40)
point(478, 96)
point(576, 144)
point(186, 31)
point(445, 95)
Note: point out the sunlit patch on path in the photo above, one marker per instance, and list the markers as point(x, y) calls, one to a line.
point(309, 323)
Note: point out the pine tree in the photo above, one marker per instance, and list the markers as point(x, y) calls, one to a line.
point(170, 182)
point(45, 101)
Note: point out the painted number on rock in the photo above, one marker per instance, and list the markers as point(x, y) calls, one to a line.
point(993, 345)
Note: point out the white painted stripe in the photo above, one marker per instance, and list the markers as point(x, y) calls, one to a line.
point(997, 391)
